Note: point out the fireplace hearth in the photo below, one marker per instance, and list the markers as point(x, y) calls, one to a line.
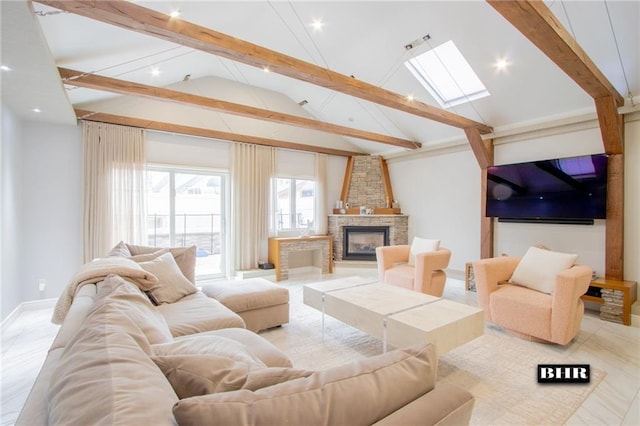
point(360, 242)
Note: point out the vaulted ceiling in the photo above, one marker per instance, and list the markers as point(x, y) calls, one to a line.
point(342, 89)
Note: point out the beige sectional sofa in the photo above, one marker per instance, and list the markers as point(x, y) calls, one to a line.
point(118, 359)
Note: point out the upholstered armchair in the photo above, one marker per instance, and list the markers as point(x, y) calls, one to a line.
point(531, 314)
point(426, 275)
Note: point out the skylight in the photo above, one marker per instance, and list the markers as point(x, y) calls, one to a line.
point(445, 73)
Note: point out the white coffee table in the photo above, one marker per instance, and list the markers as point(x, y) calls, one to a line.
point(395, 315)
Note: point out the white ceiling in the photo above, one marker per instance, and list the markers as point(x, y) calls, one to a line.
point(364, 39)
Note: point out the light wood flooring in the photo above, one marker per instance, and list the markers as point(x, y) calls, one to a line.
point(611, 347)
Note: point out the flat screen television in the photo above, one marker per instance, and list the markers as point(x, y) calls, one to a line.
point(560, 190)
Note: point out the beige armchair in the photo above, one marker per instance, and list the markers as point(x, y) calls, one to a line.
point(427, 276)
point(531, 314)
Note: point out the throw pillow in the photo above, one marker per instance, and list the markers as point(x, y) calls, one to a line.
point(421, 245)
point(538, 268)
point(120, 250)
point(185, 257)
point(172, 284)
point(149, 256)
point(193, 375)
point(362, 392)
point(208, 345)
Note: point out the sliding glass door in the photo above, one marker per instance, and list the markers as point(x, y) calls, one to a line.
point(187, 207)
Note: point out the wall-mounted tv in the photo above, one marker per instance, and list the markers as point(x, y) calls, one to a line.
point(563, 190)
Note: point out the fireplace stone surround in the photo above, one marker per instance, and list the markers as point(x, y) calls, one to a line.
point(398, 228)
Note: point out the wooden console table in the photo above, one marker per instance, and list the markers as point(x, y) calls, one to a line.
point(280, 247)
point(616, 298)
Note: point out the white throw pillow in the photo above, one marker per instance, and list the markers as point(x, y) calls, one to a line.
point(421, 245)
point(538, 268)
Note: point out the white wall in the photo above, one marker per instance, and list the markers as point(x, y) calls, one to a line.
point(441, 196)
point(10, 282)
point(51, 210)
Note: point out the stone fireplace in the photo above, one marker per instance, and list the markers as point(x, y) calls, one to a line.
point(397, 225)
point(366, 185)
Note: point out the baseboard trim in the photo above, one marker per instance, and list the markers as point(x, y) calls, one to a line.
point(27, 306)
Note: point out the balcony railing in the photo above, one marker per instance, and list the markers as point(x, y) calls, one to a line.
point(201, 229)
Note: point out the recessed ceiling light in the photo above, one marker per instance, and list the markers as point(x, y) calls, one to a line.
point(174, 13)
point(317, 24)
point(5, 68)
point(36, 110)
point(502, 64)
point(155, 72)
point(265, 69)
point(410, 97)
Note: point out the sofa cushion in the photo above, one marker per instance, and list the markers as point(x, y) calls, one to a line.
point(538, 269)
point(259, 347)
point(359, 393)
point(197, 313)
point(421, 245)
point(192, 375)
point(246, 295)
point(524, 310)
point(172, 284)
point(105, 375)
point(206, 344)
point(185, 257)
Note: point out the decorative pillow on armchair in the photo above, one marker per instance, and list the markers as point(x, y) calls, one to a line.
point(421, 245)
point(538, 268)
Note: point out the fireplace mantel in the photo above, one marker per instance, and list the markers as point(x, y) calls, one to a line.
point(398, 228)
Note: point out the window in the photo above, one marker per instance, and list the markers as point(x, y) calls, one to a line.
point(295, 204)
point(186, 207)
point(447, 75)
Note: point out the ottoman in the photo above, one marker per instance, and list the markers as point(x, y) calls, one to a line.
point(259, 302)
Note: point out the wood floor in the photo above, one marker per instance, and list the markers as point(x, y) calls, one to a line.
point(611, 347)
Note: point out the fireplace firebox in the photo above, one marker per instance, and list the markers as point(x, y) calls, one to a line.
point(360, 242)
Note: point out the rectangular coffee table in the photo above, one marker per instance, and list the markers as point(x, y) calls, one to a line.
point(395, 315)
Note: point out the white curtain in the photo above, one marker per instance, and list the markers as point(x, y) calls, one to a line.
point(114, 193)
point(252, 171)
point(321, 194)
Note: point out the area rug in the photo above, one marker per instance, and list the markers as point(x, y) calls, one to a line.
point(499, 370)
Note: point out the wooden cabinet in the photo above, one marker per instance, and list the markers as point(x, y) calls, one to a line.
point(615, 299)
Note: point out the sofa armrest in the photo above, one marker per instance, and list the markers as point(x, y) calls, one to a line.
point(387, 256)
point(570, 285)
point(445, 405)
point(488, 273)
point(431, 261)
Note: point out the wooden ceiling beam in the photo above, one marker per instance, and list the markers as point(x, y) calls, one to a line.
point(82, 114)
point(481, 149)
point(134, 17)
point(108, 84)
